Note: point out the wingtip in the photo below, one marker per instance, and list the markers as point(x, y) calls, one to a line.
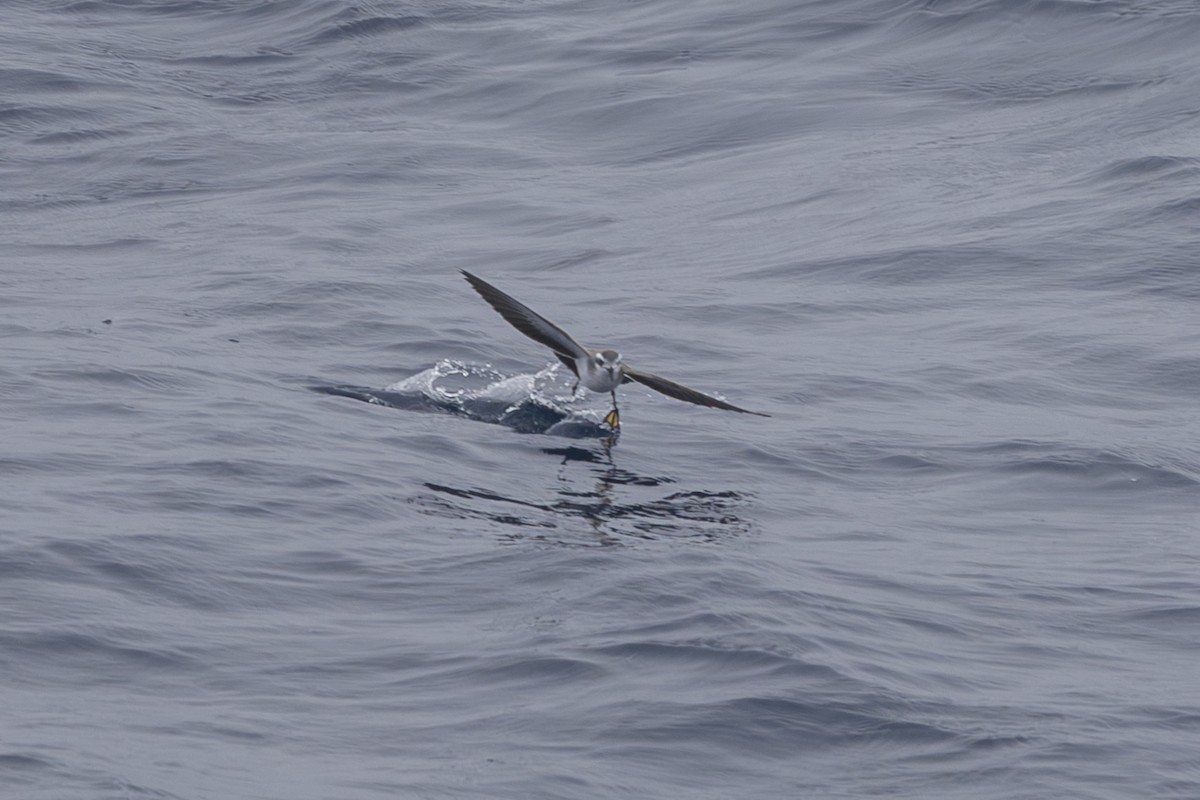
point(476, 282)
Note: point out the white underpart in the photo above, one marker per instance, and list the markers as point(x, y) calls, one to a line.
point(598, 373)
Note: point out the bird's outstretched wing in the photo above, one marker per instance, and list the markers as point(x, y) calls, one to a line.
point(529, 322)
point(680, 392)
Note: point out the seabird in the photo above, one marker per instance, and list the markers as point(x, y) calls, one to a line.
point(598, 370)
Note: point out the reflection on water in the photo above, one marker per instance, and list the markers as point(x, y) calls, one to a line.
point(616, 504)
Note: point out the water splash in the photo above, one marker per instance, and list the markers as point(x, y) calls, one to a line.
point(541, 402)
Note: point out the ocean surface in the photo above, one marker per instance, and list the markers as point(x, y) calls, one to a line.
point(952, 247)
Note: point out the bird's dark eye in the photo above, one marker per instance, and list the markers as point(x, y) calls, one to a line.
point(599, 361)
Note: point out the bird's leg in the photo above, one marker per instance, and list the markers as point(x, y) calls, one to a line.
point(613, 420)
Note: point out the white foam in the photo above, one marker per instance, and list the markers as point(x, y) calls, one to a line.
point(459, 383)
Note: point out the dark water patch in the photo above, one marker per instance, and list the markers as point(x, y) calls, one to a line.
point(63, 465)
point(1177, 718)
point(913, 266)
point(1036, 392)
point(260, 473)
point(367, 27)
point(1148, 170)
point(20, 762)
point(93, 653)
point(1180, 618)
point(209, 730)
point(324, 562)
point(712, 658)
point(38, 120)
point(859, 388)
point(170, 497)
point(772, 727)
point(1100, 470)
point(138, 187)
point(1155, 9)
point(982, 10)
point(1170, 273)
point(1023, 87)
point(1169, 375)
point(1183, 208)
point(95, 246)
point(181, 8)
point(18, 80)
point(265, 56)
point(144, 379)
point(909, 462)
point(556, 670)
point(756, 213)
point(26, 465)
point(35, 563)
point(152, 566)
point(393, 667)
point(356, 23)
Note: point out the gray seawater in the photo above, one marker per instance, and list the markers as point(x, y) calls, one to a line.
point(951, 247)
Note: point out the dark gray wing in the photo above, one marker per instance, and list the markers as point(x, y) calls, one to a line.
point(529, 322)
point(679, 392)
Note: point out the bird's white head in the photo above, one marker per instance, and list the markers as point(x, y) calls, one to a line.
point(607, 359)
point(602, 372)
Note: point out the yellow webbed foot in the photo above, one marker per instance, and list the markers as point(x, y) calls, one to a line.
point(613, 420)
